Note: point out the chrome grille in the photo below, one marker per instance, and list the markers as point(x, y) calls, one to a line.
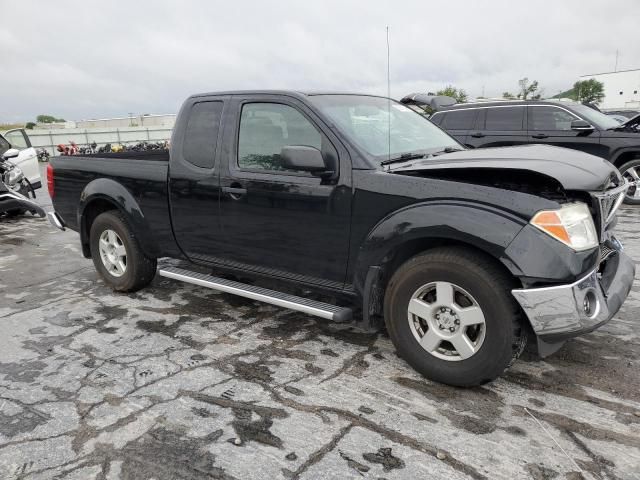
point(608, 203)
point(605, 251)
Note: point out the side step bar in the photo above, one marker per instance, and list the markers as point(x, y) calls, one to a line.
point(311, 307)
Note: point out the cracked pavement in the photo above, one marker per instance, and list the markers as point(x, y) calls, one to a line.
point(180, 382)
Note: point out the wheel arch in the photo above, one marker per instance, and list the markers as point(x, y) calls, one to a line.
point(624, 156)
point(103, 195)
point(397, 238)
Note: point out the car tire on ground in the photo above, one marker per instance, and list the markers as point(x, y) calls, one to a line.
point(117, 255)
point(631, 171)
point(458, 304)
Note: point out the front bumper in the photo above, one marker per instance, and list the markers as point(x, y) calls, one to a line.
point(11, 200)
point(564, 311)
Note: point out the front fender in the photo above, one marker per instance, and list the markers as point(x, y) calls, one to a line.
point(483, 226)
point(107, 190)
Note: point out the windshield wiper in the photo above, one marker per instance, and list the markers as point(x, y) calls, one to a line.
point(447, 150)
point(403, 158)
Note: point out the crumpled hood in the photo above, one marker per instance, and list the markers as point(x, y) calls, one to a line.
point(574, 170)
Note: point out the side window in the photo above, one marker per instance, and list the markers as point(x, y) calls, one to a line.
point(504, 118)
point(549, 118)
point(462, 120)
point(17, 140)
point(201, 134)
point(267, 127)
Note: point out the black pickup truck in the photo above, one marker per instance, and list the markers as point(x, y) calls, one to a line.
point(462, 254)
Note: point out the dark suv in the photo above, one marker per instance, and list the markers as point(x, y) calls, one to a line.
point(563, 124)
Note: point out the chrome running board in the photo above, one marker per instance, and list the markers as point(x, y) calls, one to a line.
point(306, 305)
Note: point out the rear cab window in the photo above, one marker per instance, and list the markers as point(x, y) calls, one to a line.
point(201, 133)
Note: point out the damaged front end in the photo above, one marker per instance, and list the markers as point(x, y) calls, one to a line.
point(559, 312)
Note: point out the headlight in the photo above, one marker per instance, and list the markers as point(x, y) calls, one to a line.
point(572, 225)
point(14, 176)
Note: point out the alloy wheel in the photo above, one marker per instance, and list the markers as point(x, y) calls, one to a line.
point(113, 253)
point(447, 321)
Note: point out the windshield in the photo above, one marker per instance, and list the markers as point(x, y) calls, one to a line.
point(366, 121)
point(595, 117)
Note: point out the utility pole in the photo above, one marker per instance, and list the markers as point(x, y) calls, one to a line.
point(616, 67)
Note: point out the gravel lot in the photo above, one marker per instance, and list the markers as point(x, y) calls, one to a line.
point(180, 382)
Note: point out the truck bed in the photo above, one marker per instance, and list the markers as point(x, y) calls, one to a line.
point(141, 176)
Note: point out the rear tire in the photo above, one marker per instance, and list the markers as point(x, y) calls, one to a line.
point(482, 318)
point(631, 171)
point(117, 255)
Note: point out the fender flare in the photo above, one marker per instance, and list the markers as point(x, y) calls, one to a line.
point(109, 190)
point(481, 226)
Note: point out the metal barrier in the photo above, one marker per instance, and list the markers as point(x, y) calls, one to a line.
point(49, 139)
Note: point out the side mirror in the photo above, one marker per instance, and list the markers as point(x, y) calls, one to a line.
point(11, 153)
point(300, 157)
point(581, 126)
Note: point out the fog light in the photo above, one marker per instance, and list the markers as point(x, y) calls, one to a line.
point(587, 305)
point(590, 304)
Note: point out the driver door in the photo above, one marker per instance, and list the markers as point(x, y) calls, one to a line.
point(276, 221)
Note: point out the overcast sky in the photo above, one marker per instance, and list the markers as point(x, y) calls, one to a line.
point(97, 59)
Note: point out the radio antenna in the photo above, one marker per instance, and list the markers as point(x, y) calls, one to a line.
point(388, 97)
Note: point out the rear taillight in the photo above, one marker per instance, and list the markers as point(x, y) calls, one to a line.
point(50, 184)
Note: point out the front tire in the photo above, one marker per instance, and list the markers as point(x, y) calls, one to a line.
point(117, 255)
point(451, 316)
point(631, 172)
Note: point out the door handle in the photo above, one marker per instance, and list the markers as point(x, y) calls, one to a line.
point(477, 135)
point(540, 135)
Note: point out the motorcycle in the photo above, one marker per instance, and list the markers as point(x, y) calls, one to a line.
point(71, 149)
point(43, 155)
point(15, 189)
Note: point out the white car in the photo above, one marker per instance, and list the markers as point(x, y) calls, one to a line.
point(27, 159)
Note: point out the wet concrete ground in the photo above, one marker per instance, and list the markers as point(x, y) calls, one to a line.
point(180, 382)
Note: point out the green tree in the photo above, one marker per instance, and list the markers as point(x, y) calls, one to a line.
point(450, 91)
point(591, 91)
point(48, 119)
point(528, 90)
point(30, 125)
point(508, 95)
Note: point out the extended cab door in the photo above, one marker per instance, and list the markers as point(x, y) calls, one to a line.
point(284, 223)
point(551, 125)
point(194, 184)
point(499, 126)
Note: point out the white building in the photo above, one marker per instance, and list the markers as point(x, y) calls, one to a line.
point(145, 120)
point(621, 89)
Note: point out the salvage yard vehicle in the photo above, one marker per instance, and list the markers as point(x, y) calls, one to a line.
point(27, 156)
point(14, 190)
point(462, 254)
point(563, 124)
